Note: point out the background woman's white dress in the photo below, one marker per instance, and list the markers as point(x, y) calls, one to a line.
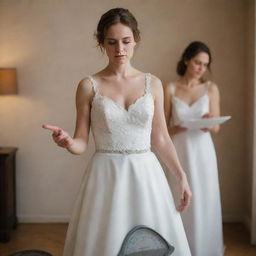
point(203, 220)
point(124, 184)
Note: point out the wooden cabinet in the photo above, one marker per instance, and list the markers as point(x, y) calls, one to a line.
point(8, 219)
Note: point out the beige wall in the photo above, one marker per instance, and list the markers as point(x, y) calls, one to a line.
point(51, 44)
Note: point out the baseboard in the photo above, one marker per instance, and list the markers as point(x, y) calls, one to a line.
point(247, 223)
point(233, 218)
point(65, 219)
point(43, 218)
point(238, 218)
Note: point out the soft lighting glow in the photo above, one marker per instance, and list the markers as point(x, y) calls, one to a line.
point(8, 81)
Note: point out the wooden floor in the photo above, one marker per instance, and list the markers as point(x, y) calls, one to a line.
point(50, 237)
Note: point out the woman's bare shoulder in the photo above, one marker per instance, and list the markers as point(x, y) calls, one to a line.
point(156, 85)
point(85, 87)
point(213, 87)
point(170, 85)
point(85, 83)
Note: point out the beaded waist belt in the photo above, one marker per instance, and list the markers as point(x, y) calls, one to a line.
point(125, 151)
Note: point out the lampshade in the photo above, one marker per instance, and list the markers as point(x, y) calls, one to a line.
point(8, 81)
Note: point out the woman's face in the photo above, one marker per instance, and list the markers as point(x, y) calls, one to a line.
point(197, 66)
point(119, 43)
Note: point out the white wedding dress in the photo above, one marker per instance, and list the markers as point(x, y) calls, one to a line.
point(124, 184)
point(202, 221)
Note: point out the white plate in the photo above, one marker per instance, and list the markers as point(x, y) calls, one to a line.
point(199, 123)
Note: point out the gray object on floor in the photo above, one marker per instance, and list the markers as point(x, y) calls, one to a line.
point(31, 253)
point(144, 241)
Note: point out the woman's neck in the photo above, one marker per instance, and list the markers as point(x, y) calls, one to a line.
point(120, 70)
point(189, 81)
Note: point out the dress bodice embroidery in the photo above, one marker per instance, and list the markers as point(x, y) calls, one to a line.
point(116, 129)
point(181, 110)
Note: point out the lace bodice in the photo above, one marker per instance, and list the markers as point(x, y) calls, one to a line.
point(182, 111)
point(119, 130)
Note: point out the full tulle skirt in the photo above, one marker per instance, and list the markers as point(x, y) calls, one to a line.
point(117, 193)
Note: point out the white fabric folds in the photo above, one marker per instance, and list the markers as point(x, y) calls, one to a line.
point(119, 192)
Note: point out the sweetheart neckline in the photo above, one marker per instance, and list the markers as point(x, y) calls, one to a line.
point(190, 105)
point(126, 110)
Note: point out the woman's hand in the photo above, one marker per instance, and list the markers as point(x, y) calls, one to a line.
point(208, 115)
point(186, 194)
point(176, 129)
point(60, 137)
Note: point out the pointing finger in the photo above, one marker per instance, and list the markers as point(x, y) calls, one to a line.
point(55, 129)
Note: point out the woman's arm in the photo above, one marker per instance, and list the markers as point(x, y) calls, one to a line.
point(78, 143)
point(214, 97)
point(163, 145)
point(172, 130)
point(167, 103)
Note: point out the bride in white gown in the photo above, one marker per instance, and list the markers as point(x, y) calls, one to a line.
point(124, 184)
point(193, 97)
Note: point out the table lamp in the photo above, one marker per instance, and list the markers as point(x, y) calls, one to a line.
point(8, 81)
point(8, 216)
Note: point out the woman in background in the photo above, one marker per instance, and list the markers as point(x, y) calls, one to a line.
point(191, 96)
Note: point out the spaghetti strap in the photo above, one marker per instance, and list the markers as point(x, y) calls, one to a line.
point(208, 85)
point(172, 90)
point(94, 84)
point(148, 82)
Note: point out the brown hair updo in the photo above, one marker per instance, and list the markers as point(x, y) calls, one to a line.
point(190, 52)
point(112, 17)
